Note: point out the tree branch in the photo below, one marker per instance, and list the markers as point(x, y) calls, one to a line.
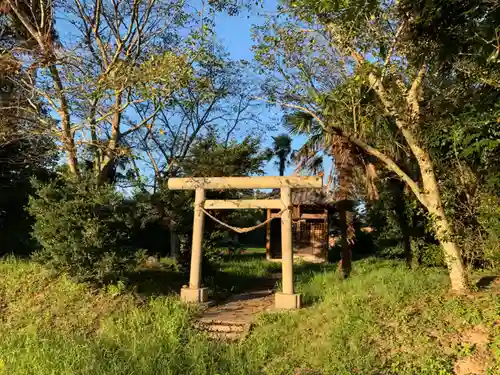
point(413, 93)
point(141, 124)
point(393, 47)
point(386, 160)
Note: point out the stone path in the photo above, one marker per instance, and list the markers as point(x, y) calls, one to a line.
point(232, 320)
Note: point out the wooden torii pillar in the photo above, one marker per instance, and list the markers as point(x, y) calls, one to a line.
point(286, 299)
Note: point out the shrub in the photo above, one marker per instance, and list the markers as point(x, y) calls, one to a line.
point(489, 219)
point(429, 254)
point(84, 229)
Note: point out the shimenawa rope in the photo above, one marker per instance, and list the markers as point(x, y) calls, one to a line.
point(238, 229)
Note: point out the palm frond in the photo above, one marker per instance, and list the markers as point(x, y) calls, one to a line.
point(298, 122)
point(282, 143)
point(315, 165)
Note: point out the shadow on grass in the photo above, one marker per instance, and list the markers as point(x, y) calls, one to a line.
point(234, 274)
point(242, 257)
point(486, 282)
point(150, 282)
point(244, 273)
point(240, 273)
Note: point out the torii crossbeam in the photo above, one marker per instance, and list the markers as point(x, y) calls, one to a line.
point(287, 298)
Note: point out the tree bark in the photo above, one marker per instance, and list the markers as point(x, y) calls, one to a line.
point(444, 232)
point(430, 197)
point(344, 165)
point(402, 218)
point(108, 164)
point(282, 166)
point(346, 221)
point(67, 137)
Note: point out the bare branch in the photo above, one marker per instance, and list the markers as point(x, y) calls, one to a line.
point(141, 124)
point(393, 47)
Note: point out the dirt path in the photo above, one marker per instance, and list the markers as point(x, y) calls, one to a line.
point(241, 307)
point(232, 319)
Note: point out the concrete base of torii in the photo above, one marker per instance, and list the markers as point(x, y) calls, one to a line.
point(287, 301)
point(281, 300)
point(194, 295)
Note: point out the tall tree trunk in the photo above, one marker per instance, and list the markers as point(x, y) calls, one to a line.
point(43, 34)
point(282, 161)
point(444, 231)
point(430, 196)
point(108, 165)
point(67, 137)
point(70, 148)
point(344, 164)
point(174, 244)
point(398, 205)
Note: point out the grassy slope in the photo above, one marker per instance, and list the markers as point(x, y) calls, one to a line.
point(384, 319)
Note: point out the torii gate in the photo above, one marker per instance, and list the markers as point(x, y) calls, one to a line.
point(286, 299)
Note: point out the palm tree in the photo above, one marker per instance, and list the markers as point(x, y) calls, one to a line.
point(315, 165)
point(308, 161)
point(345, 160)
point(282, 148)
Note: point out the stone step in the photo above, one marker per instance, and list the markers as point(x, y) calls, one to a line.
point(225, 336)
point(224, 330)
point(222, 327)
point(227, 322)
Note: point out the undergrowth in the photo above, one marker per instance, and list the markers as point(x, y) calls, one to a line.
point(383, 320)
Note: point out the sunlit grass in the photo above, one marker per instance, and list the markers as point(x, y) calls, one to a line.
point(384, 319)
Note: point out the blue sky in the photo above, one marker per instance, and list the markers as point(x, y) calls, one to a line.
point(234, 33)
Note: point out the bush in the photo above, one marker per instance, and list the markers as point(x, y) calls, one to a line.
point(428, 254)
point(84, 229)
point(489, 219)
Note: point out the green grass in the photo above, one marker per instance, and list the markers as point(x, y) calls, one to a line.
point(383, 320)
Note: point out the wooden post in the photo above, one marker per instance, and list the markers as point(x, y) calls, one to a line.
point(195, 293)
point(286, 241)
point(268, 235)
point(287, 299)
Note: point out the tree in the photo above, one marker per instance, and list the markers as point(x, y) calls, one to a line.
point(122, 53)
point(24, 149)
point(208, 157)
point(282, 148)
point(216, 102)
point(345, 159)
point(331, 51)
point(461, 114)
point(85, 228)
